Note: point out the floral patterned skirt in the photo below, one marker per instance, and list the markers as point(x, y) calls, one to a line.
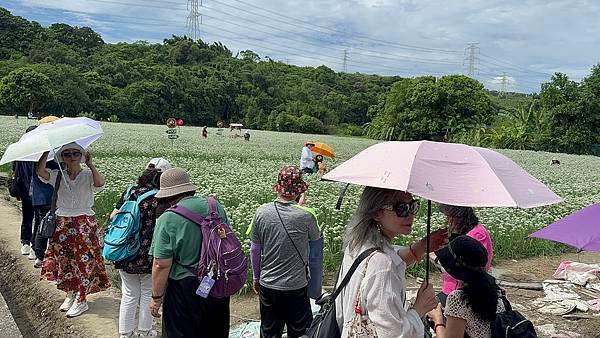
point(73, 258)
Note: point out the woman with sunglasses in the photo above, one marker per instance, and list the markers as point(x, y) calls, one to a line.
point(381, 216)
point(73, 258)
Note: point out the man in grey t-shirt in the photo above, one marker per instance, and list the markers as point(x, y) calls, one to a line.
point(279, 255)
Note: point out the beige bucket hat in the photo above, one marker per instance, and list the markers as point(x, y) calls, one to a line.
point(173, 182)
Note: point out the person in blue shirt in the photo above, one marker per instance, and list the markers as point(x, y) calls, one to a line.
point(41, 199)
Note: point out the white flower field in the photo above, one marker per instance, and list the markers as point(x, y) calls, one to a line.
point(241, 175)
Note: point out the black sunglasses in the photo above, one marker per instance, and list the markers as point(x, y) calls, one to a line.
point(73, 154)
point(403, 208)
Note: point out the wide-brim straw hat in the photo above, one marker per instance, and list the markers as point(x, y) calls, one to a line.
point(290, 182)
point(173, 182)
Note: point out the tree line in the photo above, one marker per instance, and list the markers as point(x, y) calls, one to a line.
point(71, 71)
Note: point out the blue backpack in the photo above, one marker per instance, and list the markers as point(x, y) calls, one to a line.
point(122, 238)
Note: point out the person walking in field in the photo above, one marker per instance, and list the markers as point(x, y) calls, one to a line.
point(136, 278)
point(73, 258)
point(279, 255)
point(307, 161)
point(176, 248)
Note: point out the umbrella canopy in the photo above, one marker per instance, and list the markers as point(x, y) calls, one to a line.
point(448, 173)
point(49, 118)
point(580, 229)
point(323, 149)
point(53, 135)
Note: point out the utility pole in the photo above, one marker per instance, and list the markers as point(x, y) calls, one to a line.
point(470, 56)
point(345, 62)
point(194, 18)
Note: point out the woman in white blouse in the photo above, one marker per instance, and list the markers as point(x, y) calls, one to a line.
point(73, 258)
point(381, 216)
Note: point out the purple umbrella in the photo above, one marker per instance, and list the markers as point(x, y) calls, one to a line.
point(580, 229)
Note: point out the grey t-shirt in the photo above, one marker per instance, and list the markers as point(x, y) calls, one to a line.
point(281, 267)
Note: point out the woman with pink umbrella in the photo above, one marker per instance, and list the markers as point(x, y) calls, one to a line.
point(376, 292)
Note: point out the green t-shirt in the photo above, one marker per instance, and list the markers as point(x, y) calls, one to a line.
point(178, 238)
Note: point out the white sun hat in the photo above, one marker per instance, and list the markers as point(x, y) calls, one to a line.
point(159, 164)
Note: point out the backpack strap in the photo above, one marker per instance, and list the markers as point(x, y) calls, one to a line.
point(146, 195)
point(127, 195)
point(348, 275)
point(189, 214)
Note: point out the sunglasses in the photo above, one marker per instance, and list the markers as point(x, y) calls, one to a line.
point(71, 155)
point(402, 208)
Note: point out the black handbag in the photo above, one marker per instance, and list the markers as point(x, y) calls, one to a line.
point(324, 325)
point(14, 187)
point(48, 224)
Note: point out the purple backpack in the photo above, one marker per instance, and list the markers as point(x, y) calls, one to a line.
point(221, 251)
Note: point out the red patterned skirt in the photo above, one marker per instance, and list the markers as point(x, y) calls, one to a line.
point(73, 258)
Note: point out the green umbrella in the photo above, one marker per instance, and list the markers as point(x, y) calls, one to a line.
point(32, 145)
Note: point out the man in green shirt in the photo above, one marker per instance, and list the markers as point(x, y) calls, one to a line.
point(176, 247)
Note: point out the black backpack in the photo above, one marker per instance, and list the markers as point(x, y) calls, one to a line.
point(512, 324)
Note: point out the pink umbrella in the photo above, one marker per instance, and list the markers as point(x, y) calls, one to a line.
point(580, 229)
point(448, 173)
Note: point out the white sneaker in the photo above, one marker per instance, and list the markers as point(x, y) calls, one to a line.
point(77, 308)
point(147, 334)
point(31, 254)
point(25, 249)
point(66, 305)
point(38, 264)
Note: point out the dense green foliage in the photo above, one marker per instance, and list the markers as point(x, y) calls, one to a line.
point(70, 71)
point(199, 82)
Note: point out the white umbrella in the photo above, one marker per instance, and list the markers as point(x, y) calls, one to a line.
point(51, 136)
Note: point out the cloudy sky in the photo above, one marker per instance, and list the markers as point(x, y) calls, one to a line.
point(520, 42)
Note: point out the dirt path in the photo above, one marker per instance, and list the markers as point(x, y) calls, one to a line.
point(34, 303)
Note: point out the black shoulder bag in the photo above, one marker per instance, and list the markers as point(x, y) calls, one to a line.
point(324, 325)
point(14, 185)
point(48, 224)
point(306, 270)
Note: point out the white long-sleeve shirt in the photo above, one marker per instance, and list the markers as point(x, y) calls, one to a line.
point(306, 160)
point(384, 290)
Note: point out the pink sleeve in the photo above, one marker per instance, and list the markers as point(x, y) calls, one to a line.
point(480, 233)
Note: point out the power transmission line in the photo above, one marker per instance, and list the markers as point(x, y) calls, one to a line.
point(356, 35)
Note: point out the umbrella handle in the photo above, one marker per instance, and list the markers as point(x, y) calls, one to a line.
point(428, 248)
point(338, 205)
point(427, 244)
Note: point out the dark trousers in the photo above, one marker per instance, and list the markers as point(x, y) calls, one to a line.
point(26, 221)
point(39, 243)
point(279, 308)
point(187, 315)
